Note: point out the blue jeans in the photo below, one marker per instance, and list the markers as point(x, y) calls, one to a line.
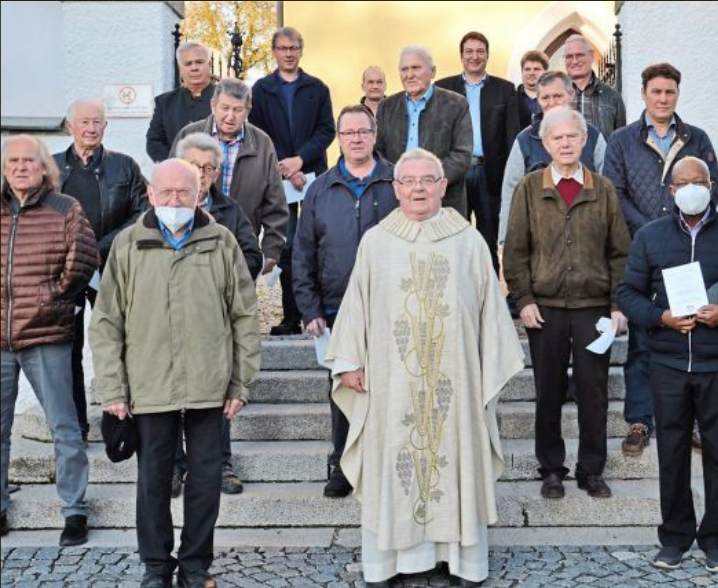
point(49, 370)
point(638, 406)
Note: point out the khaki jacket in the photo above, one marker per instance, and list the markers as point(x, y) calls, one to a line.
point(175, 330)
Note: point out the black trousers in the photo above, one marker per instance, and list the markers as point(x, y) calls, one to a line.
point(340, 424)
point(680, 398)
point(292, 315)
point(567, 332)
point(155, 463)
point(485, 208)
point(78, 373)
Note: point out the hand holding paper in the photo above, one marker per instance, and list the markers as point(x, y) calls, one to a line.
point(685, 288)
point(608, 335)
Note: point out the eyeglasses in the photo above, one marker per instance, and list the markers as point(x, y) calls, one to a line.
point(680, 185)
point(291, 49)
point(206, 168)
point(361, 133)
point(426, 181)
point(575, 56)
point(169, 195)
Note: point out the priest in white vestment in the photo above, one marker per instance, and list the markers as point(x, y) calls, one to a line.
point(421, 349)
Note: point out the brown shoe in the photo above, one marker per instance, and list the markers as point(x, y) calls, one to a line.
point(552, 487)
point(637, 439)
point(595, 486)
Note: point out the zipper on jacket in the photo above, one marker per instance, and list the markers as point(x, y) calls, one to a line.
point(357, 205)
point(690, 333)
point(8, 277)
point(102, 205)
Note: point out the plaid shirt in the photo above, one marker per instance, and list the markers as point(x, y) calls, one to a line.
point(583, 103)
point(230, 151)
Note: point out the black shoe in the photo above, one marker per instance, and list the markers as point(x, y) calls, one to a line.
point(669, 558)
point(552, 487)
point(177, 477)
point(231, 484)
point(5, 528)
point(712, 561)
point(382, 584)
point(196, 579)
point(75, 531)
point(595, 486)
point(337, 486)
point(156, 580)
point(284, 328)
point(456, 581)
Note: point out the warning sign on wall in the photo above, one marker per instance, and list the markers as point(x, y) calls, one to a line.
point(128, 100)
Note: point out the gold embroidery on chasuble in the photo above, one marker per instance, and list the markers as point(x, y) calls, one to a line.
point(419, 335)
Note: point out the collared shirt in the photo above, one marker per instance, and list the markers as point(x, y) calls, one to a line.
point(693, 231)
point(176, 242)
point(358, 185)
point(557, 177)
point(473, 95)
point(414, 110)
point(230, 151)
point(582, 100)
point(663, 143)
point(207, 202)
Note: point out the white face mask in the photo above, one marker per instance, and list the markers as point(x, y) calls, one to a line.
point(692, 199)
point(174, 218)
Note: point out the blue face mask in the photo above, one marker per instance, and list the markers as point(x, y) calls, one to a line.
point(174, 218)
point(693, 199)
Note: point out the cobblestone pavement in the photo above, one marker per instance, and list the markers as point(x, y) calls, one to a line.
point(338, 567)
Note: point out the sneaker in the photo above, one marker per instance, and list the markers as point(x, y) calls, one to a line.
point(5, 528)
point(712, 561)
point(696, 441)
point(195, 579)
point(637, 439)
point(338, 486)
point(177, 478)
point(669, 558)
point(75, 531)
point(231, 484)
point(153, 579)
point(552, 487)
point(595, 486)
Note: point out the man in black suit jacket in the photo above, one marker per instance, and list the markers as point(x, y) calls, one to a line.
point(189, 103)
point(493, 106)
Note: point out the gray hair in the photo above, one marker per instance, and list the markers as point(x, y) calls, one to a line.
point(235, 89)
point(421, 51)
point(188, 46)
point(561, 115)
point(551, 76)
point(52, 173)
point(201, 142)
point(96, 102)
point(576, 38)
point(289, 32)
point(416, 155)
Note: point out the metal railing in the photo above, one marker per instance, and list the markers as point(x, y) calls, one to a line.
point(609, 64)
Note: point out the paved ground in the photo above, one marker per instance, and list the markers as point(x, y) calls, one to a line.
point(338, 567)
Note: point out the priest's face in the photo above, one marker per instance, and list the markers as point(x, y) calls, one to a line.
point(420, 189)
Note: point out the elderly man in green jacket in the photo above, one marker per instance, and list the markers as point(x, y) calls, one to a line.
point(175, 330)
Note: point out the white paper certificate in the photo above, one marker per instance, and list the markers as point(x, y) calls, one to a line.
point(321, 346)
point(294, 195)
point(685, 288)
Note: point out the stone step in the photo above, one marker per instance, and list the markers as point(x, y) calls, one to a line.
point(297, 353)
point(32, 462)
point(634, 503)
point(285, 422)
point(521, 387)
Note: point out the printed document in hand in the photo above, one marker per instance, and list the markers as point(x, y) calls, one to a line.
point(608, 335)
point(272, 277)
point(294, 195)
point(685, 288)
point(321, 346)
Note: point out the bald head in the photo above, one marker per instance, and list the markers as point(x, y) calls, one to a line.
point(175, 182)
point(175, 168)
point(693, 166)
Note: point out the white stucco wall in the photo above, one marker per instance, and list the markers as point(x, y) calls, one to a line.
point(683, 34)
point(116, 43)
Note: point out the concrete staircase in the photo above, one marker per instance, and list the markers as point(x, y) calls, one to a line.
point(280, 447)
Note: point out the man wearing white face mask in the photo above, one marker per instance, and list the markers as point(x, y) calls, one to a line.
point(640, 159)
point(684, 358)
point(175, 331)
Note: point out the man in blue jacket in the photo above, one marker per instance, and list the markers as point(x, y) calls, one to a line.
point(295, 110)
point(340, 207)
point(639, 161)
point(683, 358)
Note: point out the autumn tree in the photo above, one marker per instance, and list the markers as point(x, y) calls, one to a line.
point(209, 22)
